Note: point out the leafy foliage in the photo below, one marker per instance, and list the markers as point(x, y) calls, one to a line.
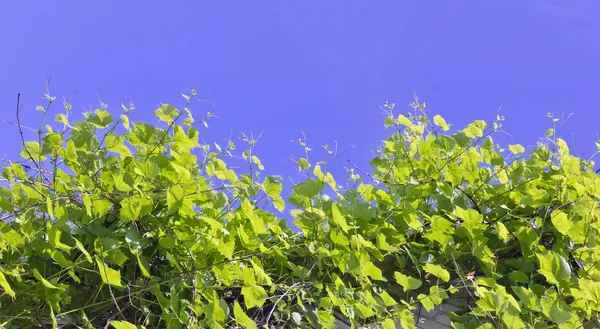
point(110, 222)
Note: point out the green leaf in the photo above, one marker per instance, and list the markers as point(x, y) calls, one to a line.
point(502, 231)
point(475, 129)
point(441, 122)
point(338, 237)
point(4, 284)
point(254, 295)
point(438, 271)
point(101, 119)
point(101, 207)
point(561, 222)
point(258, 225)
point(62, 119)
point(558, 313)
point(338, 218)
point(125, 121)
point(516, 148)
point(13, 239)
point(404, 121)
point(115, 144)
point(122, 324)
point(241, 317)
point(554, 267)
point(143, 265)
point(279, 203)
point(87, 202)
point(309, 188)
point(130, 209)
point(273, 187)
point(454, 174)
point(512, 320)
point(389, 324)
point(407, 282)
point(40, 108)
point(166, 113)
point(436, 297)
point(108, 275)
point(303, 164)
point(385, 298)
point(490, 302)
point(45, 282)
point(257, 162)
point(226, 248)
point(369, 269)
point(142, 134)
point(32, 151)
point(406, 319)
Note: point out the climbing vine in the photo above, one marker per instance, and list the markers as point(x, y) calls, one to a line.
point(108, 222)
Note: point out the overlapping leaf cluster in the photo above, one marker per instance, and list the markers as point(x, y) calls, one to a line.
point(111, 222)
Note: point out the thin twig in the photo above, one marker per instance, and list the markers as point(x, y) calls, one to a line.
point(470, 198)
point(23, 140)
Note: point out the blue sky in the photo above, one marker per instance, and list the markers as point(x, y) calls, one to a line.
point(322, 67)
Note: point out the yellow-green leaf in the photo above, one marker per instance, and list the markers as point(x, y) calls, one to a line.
point(502, 231)
point(407, 282)
point(389, 324)
point(438, 271)
point(167, 113)
point(4, 284)
point(258, 163)
point(108, 275)
point(404, 121)
point(406, 319)
point(45, 282)
point(241, 317)
point(143, 265)
point(338, 218)
point(554, 267)
point(254, 295)
point(441, 122)
point(561, 222)
point(122, 325)
point(516, 148)
point(125, 120)
point(258, 225)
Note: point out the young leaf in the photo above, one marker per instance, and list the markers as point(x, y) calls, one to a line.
point(303, 164)
point(125, 121)
point(441, 122)
point(516, 148)
point(404, 121)
point(257, 162)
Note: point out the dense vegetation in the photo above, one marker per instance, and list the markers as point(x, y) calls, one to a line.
point(106, 222)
